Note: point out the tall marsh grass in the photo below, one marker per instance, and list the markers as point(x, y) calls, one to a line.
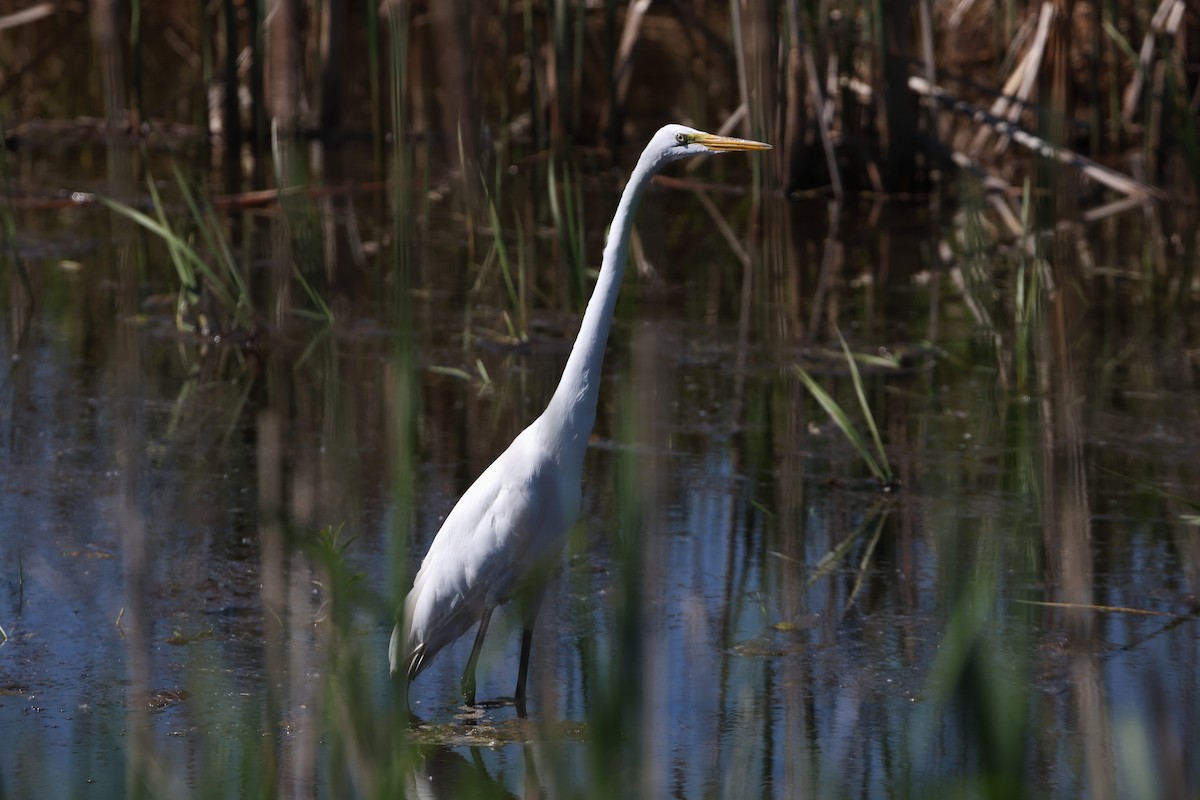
point(197, 277)
point(357, 423)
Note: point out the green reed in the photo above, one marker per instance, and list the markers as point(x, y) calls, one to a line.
point(514, 275)
point(1027, 302)
point(877, 463)
point(8, 225)
point(222, 281)
point(569, 224)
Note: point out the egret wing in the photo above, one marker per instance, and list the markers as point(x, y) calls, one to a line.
point(497, 533)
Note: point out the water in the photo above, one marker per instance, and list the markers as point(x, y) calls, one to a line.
point(740, 611)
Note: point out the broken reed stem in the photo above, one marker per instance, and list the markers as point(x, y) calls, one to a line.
point(1097, 172)
point(1020, 83)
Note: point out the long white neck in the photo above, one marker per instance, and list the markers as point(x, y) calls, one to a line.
point(568, 419)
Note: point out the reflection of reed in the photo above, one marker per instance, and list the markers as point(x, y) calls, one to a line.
point(403, 434)
point(105, 22)
point(284, 76)
point(274, 586)
point(143, 767)
point(652, 390)
point(457, 93)
point(1067, 514)
point(791, 502)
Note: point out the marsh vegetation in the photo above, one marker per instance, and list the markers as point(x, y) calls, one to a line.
point(280, 279)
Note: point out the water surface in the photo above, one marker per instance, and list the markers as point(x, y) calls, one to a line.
point(740, 611)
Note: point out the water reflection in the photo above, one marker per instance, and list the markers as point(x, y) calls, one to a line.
point(443, 773)
point(738, 613)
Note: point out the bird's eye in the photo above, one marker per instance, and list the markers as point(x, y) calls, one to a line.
point(682, 138)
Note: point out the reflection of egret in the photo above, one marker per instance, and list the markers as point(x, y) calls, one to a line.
point(442, 773)
point(505, 533)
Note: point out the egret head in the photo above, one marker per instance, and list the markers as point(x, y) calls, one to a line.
point(673, 142)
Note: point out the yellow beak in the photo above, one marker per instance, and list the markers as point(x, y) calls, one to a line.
point(728, 144)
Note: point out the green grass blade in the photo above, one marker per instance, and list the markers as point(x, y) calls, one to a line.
point(522, 270)
point(1122, 43)
point(864, 563)
point(217, 243)
point(570, 227)
point(187, 261)
point(839, 418)
point(453, 372)
point(184, 269)
point(179, 246)
point(829, 562)
point(555, 212)
point(502, 254)
point(856, 379)
point(323, 312)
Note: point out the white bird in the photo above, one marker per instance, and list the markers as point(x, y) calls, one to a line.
point(504, 536)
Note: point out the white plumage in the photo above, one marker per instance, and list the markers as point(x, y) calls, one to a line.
point(505, 534)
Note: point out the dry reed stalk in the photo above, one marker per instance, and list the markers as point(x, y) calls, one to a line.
point(1097, 172)
point(864, 93)
point(832, 259)
point(285, 63)
point(15, 73)
point(688, 184)
point(255, 50)
point(1027, 242)
point(623, 66)
point(719, 220)
point(731, 123)
point(331, 48)
point(1152, 139)
point(26, 16)
point(897, 114)
point(103, 16)
point(459, 97)
point(1019, 87)
point(960, 11)
point(925, 16)
point(700, 32)
point(793, 122)
point(1112, 209)
point(815, 98)
point(739, 51)
point(229, 123)
point(832, 108)
point(1003, 206)
point(1165, 21)
point(999, 192)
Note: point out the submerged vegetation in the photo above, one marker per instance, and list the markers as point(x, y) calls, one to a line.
point(263, 380)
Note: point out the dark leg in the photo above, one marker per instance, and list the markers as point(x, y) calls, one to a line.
point(468, 678)
point(523, 670)
point(533, 604)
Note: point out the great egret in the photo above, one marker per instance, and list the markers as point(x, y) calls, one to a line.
point(505, 534)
